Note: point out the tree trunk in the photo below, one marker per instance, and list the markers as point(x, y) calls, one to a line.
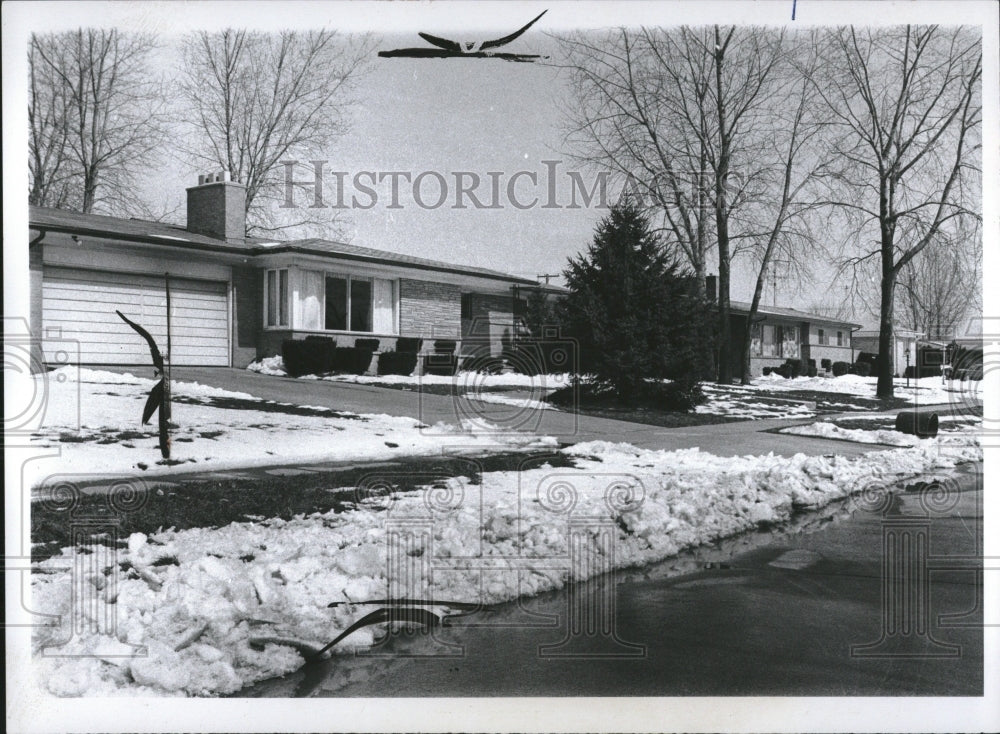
point(886, 368)
point(722, 221)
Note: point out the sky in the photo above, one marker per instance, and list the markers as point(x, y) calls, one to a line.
point(462, 115)
point(447, 115)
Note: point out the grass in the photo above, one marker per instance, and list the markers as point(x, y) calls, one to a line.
point(215, 503)
point(604, 404)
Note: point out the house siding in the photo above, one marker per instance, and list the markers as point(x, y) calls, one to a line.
point(430, 310)
point(832, 352)
point(35, 268)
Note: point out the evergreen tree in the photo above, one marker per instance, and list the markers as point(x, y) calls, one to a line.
point(637, 314)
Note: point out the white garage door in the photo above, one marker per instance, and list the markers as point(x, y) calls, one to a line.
point(82, 304)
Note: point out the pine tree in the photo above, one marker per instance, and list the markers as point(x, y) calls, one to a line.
point(637, 314)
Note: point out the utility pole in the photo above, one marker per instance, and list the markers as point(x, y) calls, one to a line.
point(547, 276)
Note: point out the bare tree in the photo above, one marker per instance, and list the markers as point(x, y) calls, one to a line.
point(255, 99)
point(776, 220)
point(96, 118)
point(941, 287)
point(694, 116)
point(905, 169)
point(49, 111)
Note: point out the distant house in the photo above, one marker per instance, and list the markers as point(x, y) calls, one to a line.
point(778, 334)
point(904, 346)
point(235, 298)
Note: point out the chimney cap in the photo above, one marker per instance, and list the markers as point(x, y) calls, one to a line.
point(217, 177)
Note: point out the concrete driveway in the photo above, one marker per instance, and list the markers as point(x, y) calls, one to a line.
point(723, 439)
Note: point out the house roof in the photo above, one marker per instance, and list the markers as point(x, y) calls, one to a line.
point(138, 230)
point(744, 307)
point(342, 250)
point(144, 230)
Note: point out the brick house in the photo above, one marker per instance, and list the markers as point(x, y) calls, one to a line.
point(235, 298)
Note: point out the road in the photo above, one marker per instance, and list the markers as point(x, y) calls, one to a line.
point(767, 613)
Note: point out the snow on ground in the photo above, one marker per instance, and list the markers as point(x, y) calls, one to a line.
point(470, 381)
point(721, 401)
point(925, 391)
point(100, 432)
point(196, 598)
point(501, 399)
point(467, 380)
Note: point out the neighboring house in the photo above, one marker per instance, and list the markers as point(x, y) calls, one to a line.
point(904, 346)
point(235, 298)
point(779, 334)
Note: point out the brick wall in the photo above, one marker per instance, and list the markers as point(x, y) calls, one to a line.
point(247, 314)
point(430, 310)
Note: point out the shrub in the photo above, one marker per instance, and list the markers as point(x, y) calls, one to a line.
point(794, 367)
point(310, 356)
point(370, 344)
point(812, 362)
point(812, 370)
point(767, 371)
point(397, 363)
point(826, 364)
point(443, 361)
point(913, 371)
point(402, 361)
point(862, 369)
point(351, 360)
point(840, 368)
point(409, 344)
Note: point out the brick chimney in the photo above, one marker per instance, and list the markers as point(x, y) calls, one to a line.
point(217, 207)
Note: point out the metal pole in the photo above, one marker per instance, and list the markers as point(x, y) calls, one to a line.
point(167, 360)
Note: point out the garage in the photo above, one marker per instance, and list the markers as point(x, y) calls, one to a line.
point(81, 305)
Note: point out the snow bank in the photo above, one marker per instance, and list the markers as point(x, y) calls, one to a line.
point(93, 417)
point(858, 435)
point(269, 366)
point(197, 614)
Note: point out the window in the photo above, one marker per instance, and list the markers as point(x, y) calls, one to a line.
point(770, 345)
point(359, 304)
point(276, 297)
point(756, 343)
point(790, 342)
point(336, 303)
point(821, 337)
point(840, 338)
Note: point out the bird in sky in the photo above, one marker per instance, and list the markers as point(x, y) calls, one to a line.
point(447, 48)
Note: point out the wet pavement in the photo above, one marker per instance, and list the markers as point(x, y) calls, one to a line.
point(875, 596)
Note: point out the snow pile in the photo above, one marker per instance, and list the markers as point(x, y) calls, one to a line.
point(93, 417)
point(858, 435)
point(197, 598)
point(269, 366)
